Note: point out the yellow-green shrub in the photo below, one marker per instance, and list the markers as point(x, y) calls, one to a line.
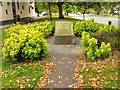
point(87, 25)
point(44, 27)
point(90, 46)
point(108, 28)
point(28, 44)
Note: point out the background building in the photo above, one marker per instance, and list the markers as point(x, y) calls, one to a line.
point(15, 11)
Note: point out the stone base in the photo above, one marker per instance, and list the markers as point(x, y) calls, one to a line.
point(64, 40)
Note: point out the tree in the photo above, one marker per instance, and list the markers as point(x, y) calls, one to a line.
point(40, 7)
point(49, 10)
point(83, 6)
point(59, 4)
point(37, 8)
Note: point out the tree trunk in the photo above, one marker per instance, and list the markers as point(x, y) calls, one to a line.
point(59, 4)
point(67, 13)
point(84, 14)
point(49, 10)
point(37, 12)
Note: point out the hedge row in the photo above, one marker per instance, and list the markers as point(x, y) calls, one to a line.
point(26, 41)
point(92, 27)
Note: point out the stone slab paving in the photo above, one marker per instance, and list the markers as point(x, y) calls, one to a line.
point(65, 59)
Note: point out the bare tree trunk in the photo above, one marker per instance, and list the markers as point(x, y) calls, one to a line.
point(59, 4)
point(49, 10)
point(84, 14)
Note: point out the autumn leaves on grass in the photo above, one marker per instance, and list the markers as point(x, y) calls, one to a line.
point(102, 74)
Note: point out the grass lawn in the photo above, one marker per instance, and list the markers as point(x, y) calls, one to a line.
point(102, 74)
point(24, 75)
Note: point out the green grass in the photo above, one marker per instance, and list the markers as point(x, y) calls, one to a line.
point(102, 74)
point(25, 75)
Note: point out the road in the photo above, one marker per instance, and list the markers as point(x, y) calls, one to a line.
point(99, 19)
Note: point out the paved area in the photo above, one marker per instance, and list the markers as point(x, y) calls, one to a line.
point(64, 57)
point(99, 19)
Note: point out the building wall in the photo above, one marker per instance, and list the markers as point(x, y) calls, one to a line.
point(24, 9)
point(6, 11)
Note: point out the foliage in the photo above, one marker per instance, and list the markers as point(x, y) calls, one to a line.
point(22, 75)
point(87, 25)
point(85, 38)
point(28, 44)
point(44, 27)
point(108, 28)
point(109, 37)
point(90, 46)
point(105, 50)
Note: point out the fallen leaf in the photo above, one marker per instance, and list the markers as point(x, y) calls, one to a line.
point(69, 62)
point(60, 77)
point(59, 82)
point(81, 76)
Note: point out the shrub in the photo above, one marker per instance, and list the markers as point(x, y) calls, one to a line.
point(13, 29)
point(109, 37)
point(88, 26)
point(28, 44)
point(105, 50)
point(91, 48)
point(44, 27)
point(108, 28)
point(85, 38)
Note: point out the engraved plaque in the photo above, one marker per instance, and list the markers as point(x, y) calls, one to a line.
point(64, 33)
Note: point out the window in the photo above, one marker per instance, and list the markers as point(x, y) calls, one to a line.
point(1, 3)
point(21, 12)
point(31, 2)
point(22, 7)
point(29, 9)
point(32, 7)
point(6, 11)
point(17, 4)
point(8, 3)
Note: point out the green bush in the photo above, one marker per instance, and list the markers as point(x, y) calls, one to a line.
point(105, 50)
point(16, 28)
point(91, 48)
point(88, 26)
point(44, 27)
point(85, 38)
point(108, 28)
point(28, 44)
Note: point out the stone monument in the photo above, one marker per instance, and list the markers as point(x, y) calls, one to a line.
point(64, 33)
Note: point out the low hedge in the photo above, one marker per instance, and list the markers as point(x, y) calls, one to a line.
point(91, 48)
point(87, 25)
point(44, 27)
point(26, 41)
point(28, 44)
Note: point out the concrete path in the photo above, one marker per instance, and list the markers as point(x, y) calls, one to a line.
point(65, 59)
